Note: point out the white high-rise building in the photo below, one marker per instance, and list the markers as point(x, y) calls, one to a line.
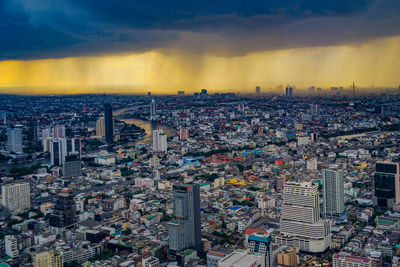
point(301, 226)
point(62, 147)
point(312, 164)
point(100, 127)
point(11, 246)
point(14, 139)
point(333, 192)
point(153, 109)
point(16, 197)
point(159, 141)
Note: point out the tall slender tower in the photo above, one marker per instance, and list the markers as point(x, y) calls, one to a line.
point(354, 89)
point(108, 123)
point(333, 192)
point(185, 229)
point(153, 109)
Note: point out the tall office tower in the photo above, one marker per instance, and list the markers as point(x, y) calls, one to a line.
point(34, 131)
point(64, 213)
point(108, 123)
point(301, 226)
point(261, 243)
point(203, 92)
point(333, 192)
point(258, 90)
point(183, 134)
point(387, 183)
point(185, 229)
point(16, 197)
point(58, 151)
point(159, 141)
point(153, 109)
point(314, 109)
point(49, 258)
point(354, 89)
point(14, 139)
point(289, 91)
point(59, 131)
point(100, 127)
point(72, 166)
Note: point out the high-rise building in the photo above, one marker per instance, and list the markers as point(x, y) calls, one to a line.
point(203, 92)
point(258, 90)
point(100, 127)
point(159, 141)
point(11, 246)
point(64, 213)
point(72, 166)
point(314, 109)
point(261, 243)
point(16, 197)
point(58, 151)
point(340, 260)
point(153, 109)
point(49, 258)
point(387, 184)
point(185, 229)
point(108, 123)
point(242, 258)
point(289, 91)
point(59, 131)
point(181, 93)
point(301, 226)
point(14, 139)
point(333, 192)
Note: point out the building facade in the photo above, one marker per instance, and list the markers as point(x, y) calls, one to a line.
point(387, 183)
point(333, 192)
point(16, 197)
point(108, 123)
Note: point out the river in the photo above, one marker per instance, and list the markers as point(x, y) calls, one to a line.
point(149, 128)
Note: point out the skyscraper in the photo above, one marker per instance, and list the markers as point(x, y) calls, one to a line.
point(333, 192)
point(289, 91)
point(301, 226)
point(387, 182)
point(64, 214)
point(14, 139)
point(258, 90)
point(58, 151)
point(59, 131)
point(100, 127)
point(153, 109)
point(185, 229)
point(108, 123)
point(159, 141)
point(16, 197)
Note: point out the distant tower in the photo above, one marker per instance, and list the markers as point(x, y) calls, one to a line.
point(333, 192)
point(108, 123)
point(354, 89)
point(153, 109)
point(15, 139)
point(258, 90)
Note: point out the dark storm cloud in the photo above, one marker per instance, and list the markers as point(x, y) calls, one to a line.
point(58, 28)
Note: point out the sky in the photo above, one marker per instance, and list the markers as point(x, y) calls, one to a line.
point(129, 46)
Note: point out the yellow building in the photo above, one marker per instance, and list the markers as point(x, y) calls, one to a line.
point(50, 258)
point(287, 257)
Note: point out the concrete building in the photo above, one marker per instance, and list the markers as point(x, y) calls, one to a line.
point(185, 229)
point(11, 246)
point(150, 262)
point(100, 127)
point(350, 261)
point(287, 257)
point(215, 256)
point(242, 258)
point(261, 243)
point(15, 140)
point(301, 226)
point(16, 197)
point(108, 123)
point(50, 258)
point(59, 131)
point(153, 109)
point(333, 192)
point(72, 166)
point(159, 141)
